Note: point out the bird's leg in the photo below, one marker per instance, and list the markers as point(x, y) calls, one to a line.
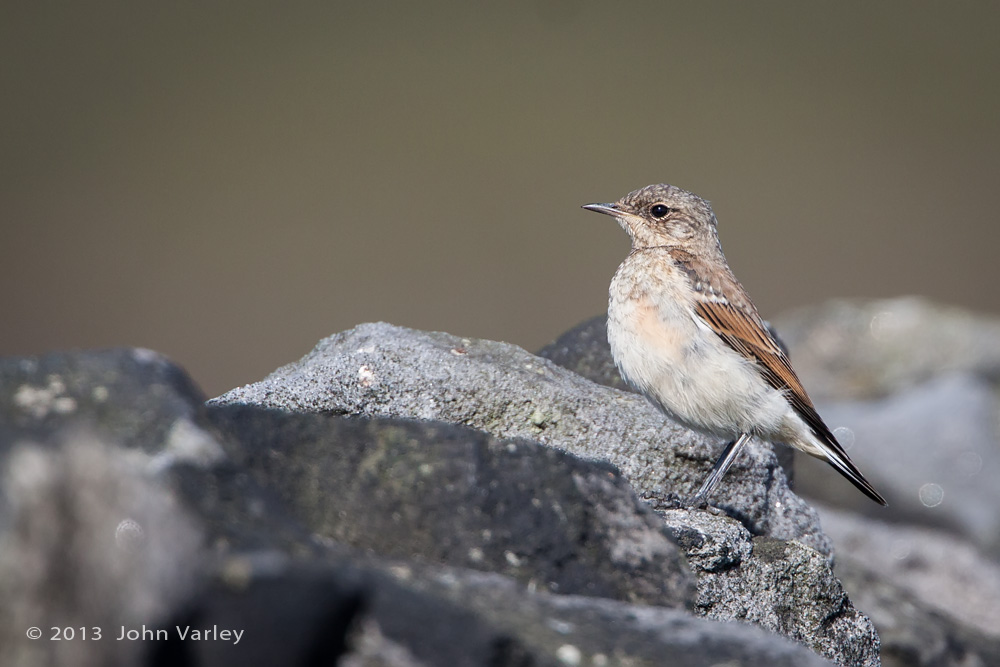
point(729, 455)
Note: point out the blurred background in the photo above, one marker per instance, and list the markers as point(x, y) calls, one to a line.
point(229, 184)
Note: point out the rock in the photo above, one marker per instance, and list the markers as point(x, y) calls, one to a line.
point(88, 545)
point(406, 542)
point(911, 634)
point(137, 395)
point(378, 370)
point(947, 575)
point(933, 450)
point(757, 579)
point(448, 494)
point(935, 599)
point(870, 348)
point(263, 610)
point(407, 613)
point(238, 514)
point(571, 630)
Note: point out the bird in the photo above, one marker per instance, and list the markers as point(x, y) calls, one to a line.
point(684, 333)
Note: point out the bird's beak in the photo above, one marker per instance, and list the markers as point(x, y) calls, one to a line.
point(606, 209)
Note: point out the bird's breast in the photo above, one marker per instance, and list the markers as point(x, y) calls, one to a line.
point(650, 326)
point(687, 370)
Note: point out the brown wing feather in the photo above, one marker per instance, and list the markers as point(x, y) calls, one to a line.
point(746, 334)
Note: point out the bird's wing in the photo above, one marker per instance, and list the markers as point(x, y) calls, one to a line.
point(724, 306)
point(748, 336)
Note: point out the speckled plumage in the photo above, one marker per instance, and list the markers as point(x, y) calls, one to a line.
point(684, 332)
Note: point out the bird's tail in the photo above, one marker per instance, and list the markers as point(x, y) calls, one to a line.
point(834, 454)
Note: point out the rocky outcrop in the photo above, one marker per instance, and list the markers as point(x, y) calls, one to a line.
point(379, 370)
point(377, 540)
point(400, 497)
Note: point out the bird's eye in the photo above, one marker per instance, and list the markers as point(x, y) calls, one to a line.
point(659, 210)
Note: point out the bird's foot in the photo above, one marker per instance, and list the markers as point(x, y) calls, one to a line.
point(700, 503)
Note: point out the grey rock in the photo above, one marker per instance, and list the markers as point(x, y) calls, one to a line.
point(237, 513)
point(865, 348)
point(450, 494)
point(933, 450)
point(443, 492)
point(379, 370)
point(757, 579)
point(405, 613)
point(286, 613)
point(912, 634)
point(944, 575)
point(576, 630)
point(90, 544)
point(139, 401)
point(111, 534)
point(137, 395)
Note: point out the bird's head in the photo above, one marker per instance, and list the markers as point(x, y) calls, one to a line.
point(662, 215)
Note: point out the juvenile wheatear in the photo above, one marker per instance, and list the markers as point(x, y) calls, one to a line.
point(684, 332)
